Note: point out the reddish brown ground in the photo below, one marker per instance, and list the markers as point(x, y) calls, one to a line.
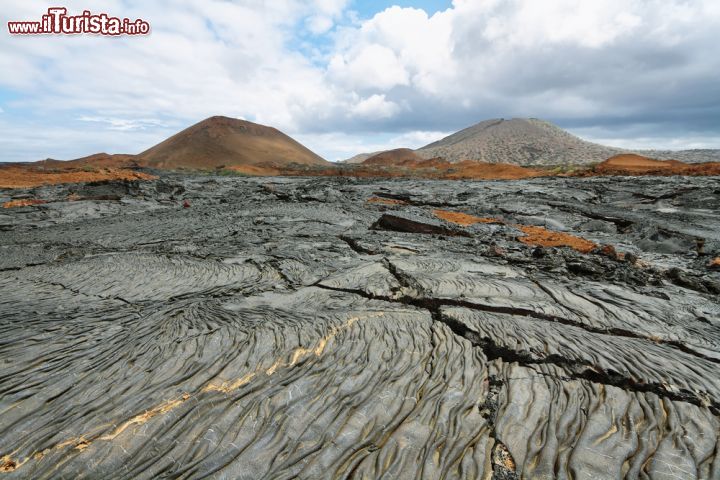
point(542, 237)
point(714, 263)
point(394, 158)
point(630, 164)
point(23, 203)
point(405, 162)
point(435, 168)
point(489, 171)
point(463, 218)
point(386, 201)
point(255, 170)
point(30, 175)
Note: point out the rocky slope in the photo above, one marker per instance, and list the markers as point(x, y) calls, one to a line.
point(292, 328)
point(518, 141)
point(227, 142)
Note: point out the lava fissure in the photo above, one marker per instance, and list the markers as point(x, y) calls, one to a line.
point(355, 246)
point(576, 370)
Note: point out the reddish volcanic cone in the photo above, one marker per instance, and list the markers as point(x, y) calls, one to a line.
point(219, 142)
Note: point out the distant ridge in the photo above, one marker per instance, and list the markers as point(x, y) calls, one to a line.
point(227, 142)
point(396, 157)
point(360, 158)
point(530, 141)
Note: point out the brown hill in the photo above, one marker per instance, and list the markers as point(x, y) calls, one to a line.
point(631, 164)
point(227, 142)
point(392, 158)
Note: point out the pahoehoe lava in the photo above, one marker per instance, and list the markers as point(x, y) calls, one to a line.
point(291, 328)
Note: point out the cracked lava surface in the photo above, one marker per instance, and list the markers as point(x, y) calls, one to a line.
point(344, 328)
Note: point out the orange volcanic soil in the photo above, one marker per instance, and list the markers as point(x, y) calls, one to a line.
point(542, 237)
point(631, 164)
point(31, 175)
point(23, 203)
point(255, 170)
point(492, 171)
point(631, 160)
point(463, 218)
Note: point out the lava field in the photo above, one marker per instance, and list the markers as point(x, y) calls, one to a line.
point(272, 328)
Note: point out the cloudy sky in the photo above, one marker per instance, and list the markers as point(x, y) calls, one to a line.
point(346, 76)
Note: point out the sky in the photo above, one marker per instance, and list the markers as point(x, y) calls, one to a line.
point(350, 76)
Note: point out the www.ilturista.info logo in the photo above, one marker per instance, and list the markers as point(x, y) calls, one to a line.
point(57, 21)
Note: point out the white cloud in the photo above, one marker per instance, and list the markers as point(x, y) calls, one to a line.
point(319, 24)
point(326, 13)
point(375, 66)
point(375, 106)
point(202, 58)
point(660, 143)
point(527, 24)
point(419, 138)
point(560, 59)
point(330, 7)
point(644, 137)
point(399, 46)
point(123, 123)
